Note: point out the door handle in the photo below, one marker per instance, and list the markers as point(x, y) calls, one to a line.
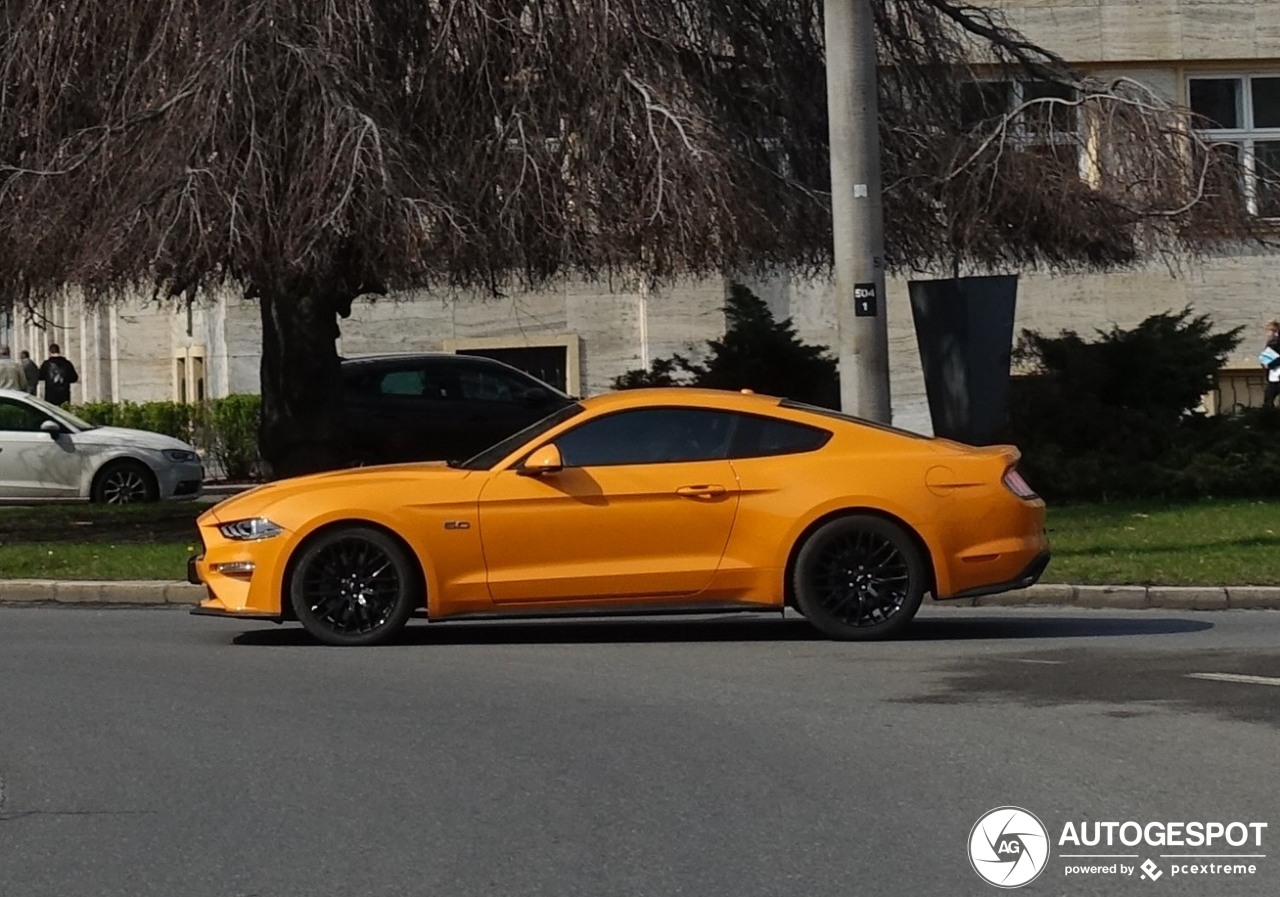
point(701, 491)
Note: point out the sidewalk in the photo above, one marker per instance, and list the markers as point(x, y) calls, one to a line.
point(152, 593)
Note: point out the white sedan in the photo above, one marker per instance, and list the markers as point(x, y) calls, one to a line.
point(48, 452)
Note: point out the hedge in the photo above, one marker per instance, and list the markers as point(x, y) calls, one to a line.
point(224, 431)
point(1118, 417)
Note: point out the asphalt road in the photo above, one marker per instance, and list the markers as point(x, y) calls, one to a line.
point(148, 752)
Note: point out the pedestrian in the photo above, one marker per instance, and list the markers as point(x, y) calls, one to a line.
point(31, 369)
point(1270, 359)
point(11, 375)
point(58, 374)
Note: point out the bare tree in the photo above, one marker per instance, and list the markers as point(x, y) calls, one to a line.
point(311, 151)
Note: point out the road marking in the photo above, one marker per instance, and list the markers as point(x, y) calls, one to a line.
point(1236, 677)
point(1029, 660)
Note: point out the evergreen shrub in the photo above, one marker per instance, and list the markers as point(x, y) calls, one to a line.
point(757, 352)
point(1121, 417)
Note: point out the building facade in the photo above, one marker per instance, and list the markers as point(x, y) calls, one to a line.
point(1221, 57)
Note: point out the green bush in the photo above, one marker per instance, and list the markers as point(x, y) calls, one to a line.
point(224, 431)
point(170, 418)
point(231, 428)
point(1127, 393)
point(758, 352)
point(1117, 418)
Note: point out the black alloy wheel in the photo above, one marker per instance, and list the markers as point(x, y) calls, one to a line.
point(354, 585)
point(125, 483)
point(859, 577)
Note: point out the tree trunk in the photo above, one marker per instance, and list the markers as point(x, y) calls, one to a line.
point(301, 430)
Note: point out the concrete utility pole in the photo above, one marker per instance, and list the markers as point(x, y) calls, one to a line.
point(857, 208)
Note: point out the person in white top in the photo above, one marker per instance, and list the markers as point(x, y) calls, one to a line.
point(11, 374)
point(1272, 364)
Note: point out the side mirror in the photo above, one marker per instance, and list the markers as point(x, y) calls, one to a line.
point(52, 427)
point(543, 461)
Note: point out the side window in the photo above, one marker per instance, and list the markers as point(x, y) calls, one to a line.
point(759, 437)
point(364, 385)
point(478, 385)
point(20, 417)
point(415, 383)
point(401, 383)
point(649, 436)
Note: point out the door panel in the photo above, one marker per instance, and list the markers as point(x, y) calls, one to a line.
point(394, 429)
point(35, 465)
point(607, 532)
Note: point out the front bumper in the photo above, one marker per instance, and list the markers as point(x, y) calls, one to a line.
point(180, 481)
point(242, 579)
point(204, 609)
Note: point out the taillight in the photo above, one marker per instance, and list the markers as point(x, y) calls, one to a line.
point(1017, 485)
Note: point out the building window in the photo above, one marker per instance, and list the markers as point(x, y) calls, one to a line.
point(1047, 122)
point(1240, 114)
point(188, 374)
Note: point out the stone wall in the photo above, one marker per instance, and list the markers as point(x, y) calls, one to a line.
point(618, 325)
point(1086, 31)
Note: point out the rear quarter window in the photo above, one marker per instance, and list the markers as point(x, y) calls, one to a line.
point(761, 437)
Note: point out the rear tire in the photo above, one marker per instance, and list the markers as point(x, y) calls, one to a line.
point(859, 578)
point(354, 586)
point(124, 483)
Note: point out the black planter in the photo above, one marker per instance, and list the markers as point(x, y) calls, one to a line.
point(964, 328)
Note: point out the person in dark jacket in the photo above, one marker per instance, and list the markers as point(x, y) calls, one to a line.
point(31, 370)
point(58, 374)
point(1270, 359)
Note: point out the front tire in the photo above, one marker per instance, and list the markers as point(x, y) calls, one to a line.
point(125, 483)
point(858, 578)
point(354, 585)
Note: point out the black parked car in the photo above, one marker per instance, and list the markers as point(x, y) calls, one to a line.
point(437, 407)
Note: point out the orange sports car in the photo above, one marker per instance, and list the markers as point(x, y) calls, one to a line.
point(647, 501)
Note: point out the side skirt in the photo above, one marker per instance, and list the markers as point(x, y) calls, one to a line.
point(673, 610)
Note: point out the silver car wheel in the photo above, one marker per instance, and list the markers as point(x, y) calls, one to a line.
point(124, 485)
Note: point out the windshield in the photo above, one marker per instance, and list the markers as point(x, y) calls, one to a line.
point(496, 453)
point(61, 415)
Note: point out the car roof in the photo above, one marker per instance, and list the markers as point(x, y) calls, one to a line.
point(352, 366)
point(396, 357)
point(743, 400)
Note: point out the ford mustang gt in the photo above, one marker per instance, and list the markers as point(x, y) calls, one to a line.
point(646, 501)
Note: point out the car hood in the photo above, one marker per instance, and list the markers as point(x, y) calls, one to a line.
point(134, 438)
point(362, 479)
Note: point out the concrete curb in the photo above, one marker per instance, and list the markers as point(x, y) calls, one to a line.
point(1135, 597)
point(145, 592)
point(153, 592)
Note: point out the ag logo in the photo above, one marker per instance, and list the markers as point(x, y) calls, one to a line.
point(1008, 847)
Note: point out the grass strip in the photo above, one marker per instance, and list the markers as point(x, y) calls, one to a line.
point(1210, 542)
point(96, 560)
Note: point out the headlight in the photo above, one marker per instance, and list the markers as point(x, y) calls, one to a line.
point(250, 530)
point(179, 455)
